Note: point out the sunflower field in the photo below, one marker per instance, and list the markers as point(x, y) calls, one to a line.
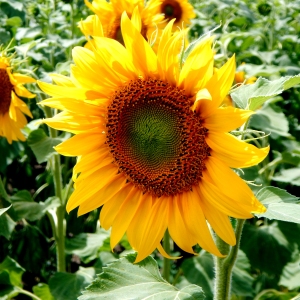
point(150, 149)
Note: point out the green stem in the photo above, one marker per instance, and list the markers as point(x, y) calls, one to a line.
point(225, 265)
point(59, 233)
point(24, 292)
point(167, 262)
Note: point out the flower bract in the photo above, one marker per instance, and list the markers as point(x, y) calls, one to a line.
point(153, 144)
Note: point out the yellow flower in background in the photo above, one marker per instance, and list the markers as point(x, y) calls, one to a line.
point(181, 10)
point(152, 142)
point(240, 78)
point(12, 108)
point(109, 14)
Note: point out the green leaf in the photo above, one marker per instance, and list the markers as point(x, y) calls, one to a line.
point(290, 276)
point(123, 279)
point(42, 145)
point(268, 195)
point(3, 193)
point(270, 119)
point(280, 205)
point(291, 176)
point(200, 270)
point(7, 226)
point(42, 291)
point(255, 95)
point(14, 21)
point(86, 245)
point(26, 208)
point(266, 248)
point(3, 210)
point(14, 270)
point(288, 212)
point(69, 286)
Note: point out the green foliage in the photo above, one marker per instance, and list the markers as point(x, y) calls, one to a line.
point(123, 279)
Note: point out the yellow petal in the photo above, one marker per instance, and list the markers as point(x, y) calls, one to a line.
point(218, 220)
point(104, 195)
point(177, 227)
point(232, 185)
point(82, 143)
point(155, 230)
point(125, 215)
point(143, 55)
point(234, 152)
point(198, 67)
point(196, 222)
point(226, 119)
point(90, 186)
point(111, 208)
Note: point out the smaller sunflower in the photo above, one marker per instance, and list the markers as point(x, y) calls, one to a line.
point(109, 15)
point(12, 108)
point(181, 10)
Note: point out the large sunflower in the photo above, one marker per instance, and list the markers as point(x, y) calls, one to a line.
point(152, 142)
point(109, 14)
point(180, 10)
point(12, 108)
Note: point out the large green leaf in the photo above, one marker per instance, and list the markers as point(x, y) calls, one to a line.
point(25, 207)
point(69, 286)
point(266, 248)
point(42, 145)
point(255, 95)
point(123, 279)
point(3, 210)
point(86, 245)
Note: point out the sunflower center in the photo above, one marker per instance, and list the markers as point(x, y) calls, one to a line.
point(156, 140)
point(171, 9)
point(5, 91)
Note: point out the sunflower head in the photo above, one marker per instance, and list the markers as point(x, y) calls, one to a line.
point(180, 10)
point(12, 108)
point(153, 140)
point(109, 15)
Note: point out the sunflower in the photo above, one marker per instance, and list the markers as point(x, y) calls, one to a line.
point(109, 14)
point(181, 10)
point(152, 142)
point(12, 108)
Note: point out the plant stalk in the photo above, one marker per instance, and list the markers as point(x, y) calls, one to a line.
point(59, 233)
point(167, 262)
point(225, 265)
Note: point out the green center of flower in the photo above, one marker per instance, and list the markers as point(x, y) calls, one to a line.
point(5, 91)
point(156, 140)
point(150, 136)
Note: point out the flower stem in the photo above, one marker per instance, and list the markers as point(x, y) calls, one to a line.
point(59, 233)
point(225, 265)
point(167, 262)
point(24, 292)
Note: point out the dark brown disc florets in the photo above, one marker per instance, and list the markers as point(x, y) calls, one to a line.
point(5, 91)
point(156, 140)
point(171, 9)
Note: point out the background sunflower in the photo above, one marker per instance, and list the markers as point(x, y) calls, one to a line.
point(12, 108)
